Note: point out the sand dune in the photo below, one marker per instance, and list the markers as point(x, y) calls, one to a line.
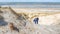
point(22, 19)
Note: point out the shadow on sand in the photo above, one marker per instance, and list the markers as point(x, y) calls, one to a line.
point(2, 22)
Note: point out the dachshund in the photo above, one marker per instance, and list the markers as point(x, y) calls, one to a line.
point(12, 27)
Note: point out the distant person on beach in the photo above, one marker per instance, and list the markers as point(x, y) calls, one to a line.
point(36, 20)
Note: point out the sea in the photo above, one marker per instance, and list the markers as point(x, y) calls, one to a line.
point(31, 4)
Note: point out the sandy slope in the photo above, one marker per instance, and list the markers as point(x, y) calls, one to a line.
point(46, 16)
point(49, 22)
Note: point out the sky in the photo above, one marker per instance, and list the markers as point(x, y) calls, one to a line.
point(29, 0)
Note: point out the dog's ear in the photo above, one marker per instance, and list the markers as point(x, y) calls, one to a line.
point(11, 23)
point(11, 26)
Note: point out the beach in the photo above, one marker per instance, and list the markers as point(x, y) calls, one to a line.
point(22, 20)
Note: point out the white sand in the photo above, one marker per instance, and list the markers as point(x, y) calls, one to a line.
point(48, 21)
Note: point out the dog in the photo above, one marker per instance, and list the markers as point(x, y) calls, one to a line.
point(12, 27)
